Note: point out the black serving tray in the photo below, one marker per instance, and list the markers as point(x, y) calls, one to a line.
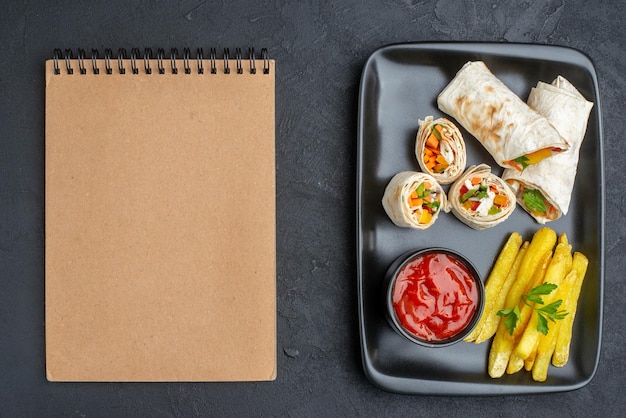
point(399, 85)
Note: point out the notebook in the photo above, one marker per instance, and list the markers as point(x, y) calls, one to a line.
point(160, 216)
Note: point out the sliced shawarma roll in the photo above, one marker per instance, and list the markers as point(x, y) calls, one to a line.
point(440, 149)
point(514, 134)
point(480, 199)
point(413, 200)
point(544, 190)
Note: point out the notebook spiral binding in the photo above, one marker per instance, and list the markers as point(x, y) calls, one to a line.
point(135, 56)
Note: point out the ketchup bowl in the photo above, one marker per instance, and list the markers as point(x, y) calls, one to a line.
point(434, 296)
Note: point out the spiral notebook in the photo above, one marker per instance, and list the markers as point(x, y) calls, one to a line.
point(160, 216)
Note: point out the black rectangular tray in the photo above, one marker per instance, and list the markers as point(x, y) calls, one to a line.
point(399, 85)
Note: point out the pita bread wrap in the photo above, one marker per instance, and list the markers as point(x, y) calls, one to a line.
point(514, 134)
point(440, 149)
point(480, 199)
point(544, 190)
point(413, 200)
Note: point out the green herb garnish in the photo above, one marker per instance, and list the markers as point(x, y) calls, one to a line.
point(523, 161)
point(533, 199)
point(421, 190)
point(512, 316)
point(434, 205)
point(482, 193)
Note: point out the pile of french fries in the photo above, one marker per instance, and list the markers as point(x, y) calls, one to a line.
point(520, 267)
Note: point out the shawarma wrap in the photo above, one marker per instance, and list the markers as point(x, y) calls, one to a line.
point(440, 149)
point(544, 190)
point(480, 199)
point(513, 133)
point(413, 200)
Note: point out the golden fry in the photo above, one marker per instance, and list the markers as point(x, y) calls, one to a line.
point(547, 343)
point(544, 351)
point(496, 281)
point(542, 242)
point(503, 343)
point(501, 348)
point(560, 265)
point(496, 287)
point(516, 363)
point(564, 337)
point(537, 278)
point(530, 361)
point(492, 320)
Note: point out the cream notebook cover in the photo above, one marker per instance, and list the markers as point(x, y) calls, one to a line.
point(160, 218)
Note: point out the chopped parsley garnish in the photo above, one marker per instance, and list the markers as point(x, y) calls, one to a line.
point(523, 161)
point(512, 316)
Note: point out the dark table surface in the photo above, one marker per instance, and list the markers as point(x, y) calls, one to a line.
point(320, 50)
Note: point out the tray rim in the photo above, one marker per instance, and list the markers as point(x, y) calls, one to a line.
point(502, 49)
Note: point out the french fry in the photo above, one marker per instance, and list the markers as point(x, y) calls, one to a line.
point(560, 265)
point(564, 337)
point(501, 348)
point(543, 241)
point(544, 351)
point(503, 342)
point(516, 363)
point(538, 277)
point(547, 343)
point(504, 282)
point(530, 361)
point(496, 288)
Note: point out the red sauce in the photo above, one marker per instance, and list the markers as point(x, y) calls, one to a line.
point(435, 296)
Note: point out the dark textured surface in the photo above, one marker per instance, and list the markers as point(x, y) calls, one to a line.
point(320, 51)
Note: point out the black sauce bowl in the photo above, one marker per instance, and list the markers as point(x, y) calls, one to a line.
point(390, 280)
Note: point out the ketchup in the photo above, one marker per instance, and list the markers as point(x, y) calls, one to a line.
point(435, 296)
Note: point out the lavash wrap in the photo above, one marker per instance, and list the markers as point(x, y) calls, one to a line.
point(506, 126)
point(456, 143)
point(474, 220)
point(568, 111)
point(396, 199)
